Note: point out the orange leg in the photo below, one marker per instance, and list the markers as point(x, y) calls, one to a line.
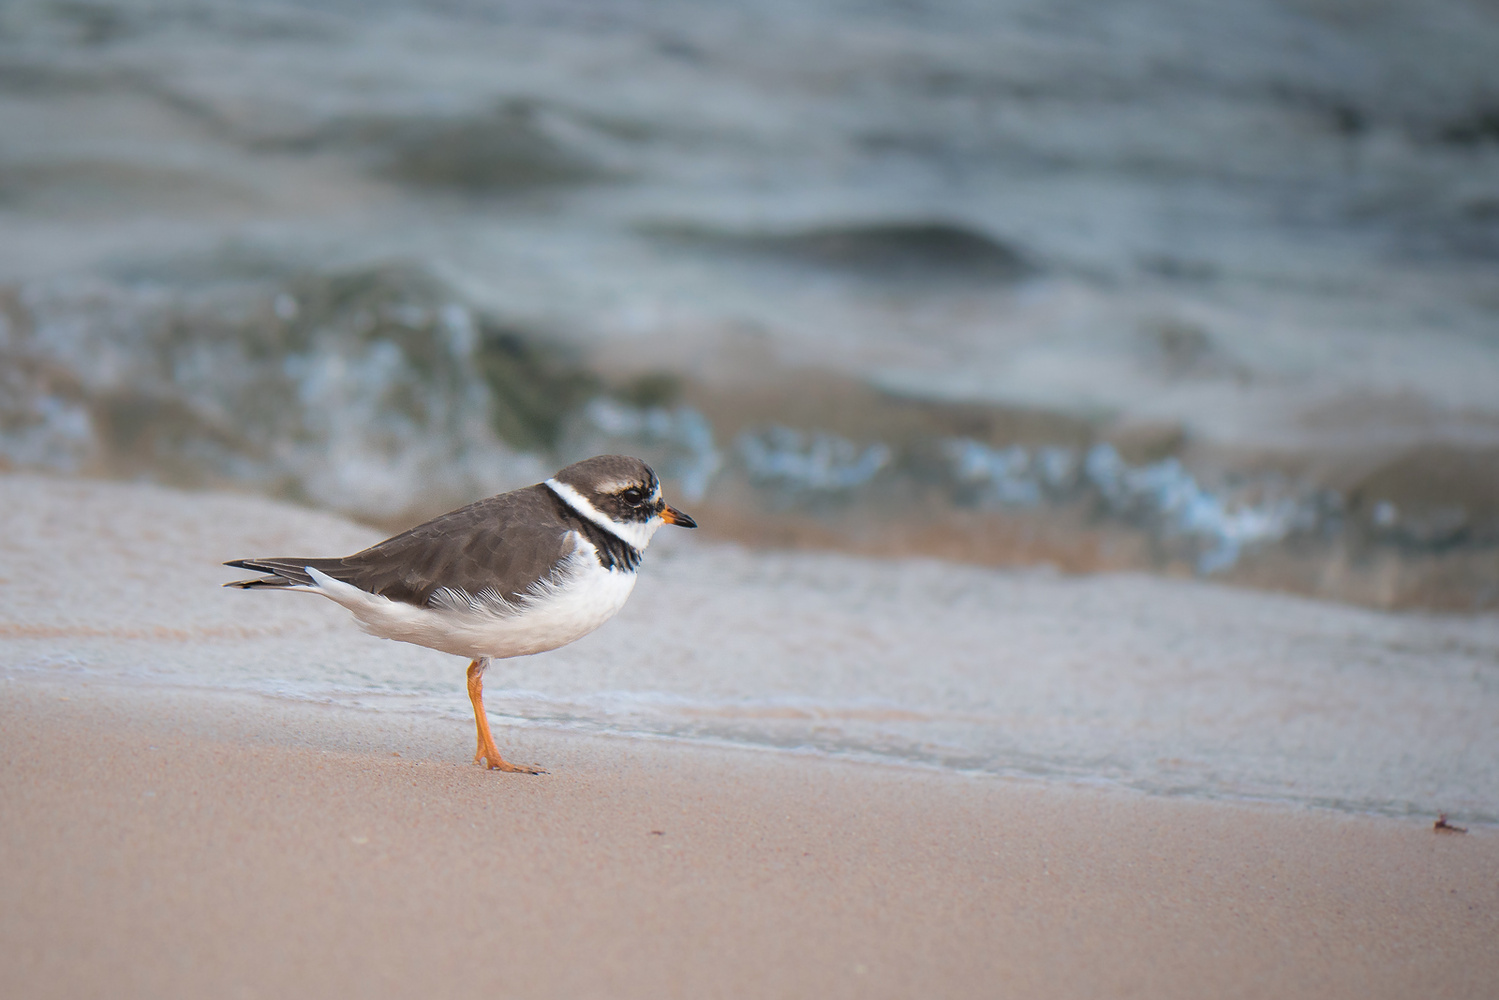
point(487, 751)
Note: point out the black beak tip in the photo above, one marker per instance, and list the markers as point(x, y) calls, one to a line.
point(683, 521)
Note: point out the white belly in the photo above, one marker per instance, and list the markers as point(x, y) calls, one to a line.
point(582, 597)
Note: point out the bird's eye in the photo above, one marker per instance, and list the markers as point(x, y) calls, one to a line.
point(633, 497)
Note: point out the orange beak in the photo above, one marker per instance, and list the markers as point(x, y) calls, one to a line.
point(671, 515)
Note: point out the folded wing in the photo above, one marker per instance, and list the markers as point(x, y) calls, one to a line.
point(472, 549)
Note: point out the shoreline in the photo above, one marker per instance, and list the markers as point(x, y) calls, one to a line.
point(460, 719)
point(209, 842)
point(1165, 686)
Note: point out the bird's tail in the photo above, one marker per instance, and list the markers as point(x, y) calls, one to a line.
point(284, 572)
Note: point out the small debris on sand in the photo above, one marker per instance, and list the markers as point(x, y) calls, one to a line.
point(1442, 826)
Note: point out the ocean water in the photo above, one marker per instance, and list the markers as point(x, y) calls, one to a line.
point(1172, 687)
point(384, 257)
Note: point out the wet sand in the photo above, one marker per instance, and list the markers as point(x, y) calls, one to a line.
point(167, 843)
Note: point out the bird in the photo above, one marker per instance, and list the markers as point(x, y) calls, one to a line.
point(518, 573)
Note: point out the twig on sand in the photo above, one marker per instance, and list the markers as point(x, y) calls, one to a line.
point(1442, 826)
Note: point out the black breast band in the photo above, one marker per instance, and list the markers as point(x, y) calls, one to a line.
point(613, 552)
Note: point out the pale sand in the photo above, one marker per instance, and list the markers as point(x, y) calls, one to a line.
point(170, 844)
point(1174, 686)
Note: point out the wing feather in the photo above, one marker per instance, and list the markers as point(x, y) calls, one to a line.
point(504, 544)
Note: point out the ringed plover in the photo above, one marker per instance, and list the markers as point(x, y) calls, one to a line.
point(518, 573)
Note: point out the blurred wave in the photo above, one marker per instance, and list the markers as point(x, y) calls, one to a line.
point(1198, 288)
point(371, 392)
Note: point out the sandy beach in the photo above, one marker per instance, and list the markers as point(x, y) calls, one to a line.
point(169, 844)
point(206, 793)
point(1088, 414)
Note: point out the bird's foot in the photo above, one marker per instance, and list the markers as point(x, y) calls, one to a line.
point(495, 762)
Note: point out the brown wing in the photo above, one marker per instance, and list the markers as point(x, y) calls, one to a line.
point(505, 543)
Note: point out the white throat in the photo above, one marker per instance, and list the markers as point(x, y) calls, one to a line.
point(635, 533)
